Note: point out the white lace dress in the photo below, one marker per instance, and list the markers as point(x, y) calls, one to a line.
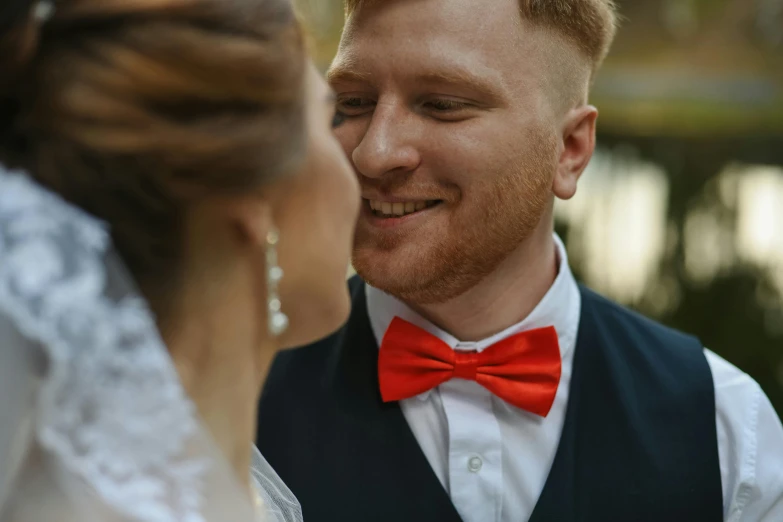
point(94, 424)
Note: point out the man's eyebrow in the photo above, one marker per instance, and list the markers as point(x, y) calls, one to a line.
point(456, 77)
point(343, 74)
point(462, 78)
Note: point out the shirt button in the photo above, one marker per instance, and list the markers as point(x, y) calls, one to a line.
point(474, 464)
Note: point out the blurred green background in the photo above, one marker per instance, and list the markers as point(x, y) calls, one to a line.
point(680, 214)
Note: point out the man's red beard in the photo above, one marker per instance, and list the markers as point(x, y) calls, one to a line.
point(477, 241)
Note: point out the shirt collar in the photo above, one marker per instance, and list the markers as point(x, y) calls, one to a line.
point(560, 308)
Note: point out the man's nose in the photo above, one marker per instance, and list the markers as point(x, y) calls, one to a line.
point(389, 143)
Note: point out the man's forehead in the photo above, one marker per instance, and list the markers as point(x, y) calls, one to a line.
point(395, 39)
point(470, 21)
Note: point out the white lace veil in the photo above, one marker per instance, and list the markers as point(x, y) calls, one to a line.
point(94, 424)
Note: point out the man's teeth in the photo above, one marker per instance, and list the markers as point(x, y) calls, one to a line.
point(383, 208)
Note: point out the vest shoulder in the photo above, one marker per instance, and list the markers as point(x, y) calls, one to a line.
point(613, 318)
point(656, 367)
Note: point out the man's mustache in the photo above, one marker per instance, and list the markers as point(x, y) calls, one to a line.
point(405, 186)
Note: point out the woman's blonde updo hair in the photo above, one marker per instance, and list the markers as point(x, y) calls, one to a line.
point(133, 109)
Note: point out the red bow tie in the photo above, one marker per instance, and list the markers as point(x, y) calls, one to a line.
point(523, 370)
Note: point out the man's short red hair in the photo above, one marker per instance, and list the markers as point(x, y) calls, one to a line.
point(589, 24)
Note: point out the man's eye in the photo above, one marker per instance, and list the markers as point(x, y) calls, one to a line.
point(351, 102)
point(446, 105)
point(353, 105)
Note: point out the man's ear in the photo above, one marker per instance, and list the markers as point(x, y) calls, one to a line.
point(578, 146)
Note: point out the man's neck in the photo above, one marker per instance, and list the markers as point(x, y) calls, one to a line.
point(502, 299)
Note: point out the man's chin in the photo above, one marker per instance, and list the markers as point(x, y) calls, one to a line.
point(375, 264)
point(390, 271)
point(422, 275)
point(410, 278)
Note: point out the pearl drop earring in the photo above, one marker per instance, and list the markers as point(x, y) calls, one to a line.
point(278, 321)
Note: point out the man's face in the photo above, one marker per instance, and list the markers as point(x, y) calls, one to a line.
point(453, 132)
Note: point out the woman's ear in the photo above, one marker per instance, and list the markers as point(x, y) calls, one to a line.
point(252, 218)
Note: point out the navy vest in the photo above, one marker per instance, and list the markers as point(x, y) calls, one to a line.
point(639, 442)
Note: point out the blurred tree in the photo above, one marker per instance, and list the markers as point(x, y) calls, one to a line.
point(324, 21)
point(739, 313)
point(730, 319)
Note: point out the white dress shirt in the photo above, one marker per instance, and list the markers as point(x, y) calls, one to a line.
point(493, 459)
